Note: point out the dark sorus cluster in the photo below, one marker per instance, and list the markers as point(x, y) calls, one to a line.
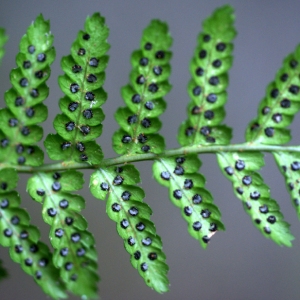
point(186, 191)
point(80, 124)
point(19, 131)
point(125, 206)
point(143, 96)
point(17, 233)
point(74, 246)
point(207, 88)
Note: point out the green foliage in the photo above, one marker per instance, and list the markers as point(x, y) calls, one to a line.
point(3, 40)
point(3, 271)
point(72, 267)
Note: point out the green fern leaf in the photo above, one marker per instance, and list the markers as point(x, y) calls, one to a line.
point(125, 206)
point(23, 238)
point(207, 88)
point(80, 123)
point(186, 191)
point(3, 40)
point(3, 271)
point(143, 96)
point(24, 108)
point(75, 254)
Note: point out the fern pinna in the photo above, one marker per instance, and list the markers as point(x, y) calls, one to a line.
point(72, 265)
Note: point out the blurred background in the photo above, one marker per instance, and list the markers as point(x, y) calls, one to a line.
point(239, 263)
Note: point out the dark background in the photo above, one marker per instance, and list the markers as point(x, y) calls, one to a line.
point(239, 263)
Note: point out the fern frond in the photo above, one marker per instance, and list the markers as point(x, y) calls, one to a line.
point(125, 206)
point(3, 40)
point(186, 191)
point(3, 271)
point(143, 96)
point(75, 253)
point(80, 123)
point(23, 239)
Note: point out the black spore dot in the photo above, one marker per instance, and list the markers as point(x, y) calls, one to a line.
point(269, 131)
point(18, 249)
point(144, 267)
point(188, 184)
point(140, 226)
point(145, 148)
point(131, 241)
point(137, 255)
point(51, 212)
point(202, 54)
point(136, 98)
point(87, 113)
point(211, 98)
point(165, 175)
point(116, 207)
point(214, 80)
point(104, 186)
point(257, 221)
point(41, 57)
point(76, 69)
point(254, 126)
point(146, 123)
point(56, 186)
point(142, 138)
point(91, 78)
point(80, 146)
point(118, 180)
point(75, 237)
point(39, 74)
point(197, 226)
point(59, 232)
point(153, 88)
point(56, 176)
point(64, 203)
point(206, 38)
point(265, 110)
point(197, 90)
point(293, 63)
point(213, 227)
point(267, 230)
point(209, 114)
point(294, 89)
point(247, 180)
point(25, 131)
point(15, 220)
point(65, 145)
point(277, 118)
point(284, 168)
point(80, 252)
point(152, 256)
point(157, 70)
point(43, 262)
point(38, 275)
point(147, 241)
point(196, 110)
point(26, 64)
point(180, 160)
point(264, 209)
point(199, 71)
point(217, 63)
point(220, 47)
point(240, 165)
point(148, 46)
point(13, 122)
point(248, 204)
point(126, 139)
point(274, 93)
point(68, 266)
point(86, 36)
point(69, 220)
point(89, 96)
point(189, 131)
point(83, 157)
point(179, 170)
point(177, 194)
point(4, 142)
point(160, 54)
point(140, 79)
point(144, 61)
point(132, 119)
point(255, 195)
point(229, 170)
point(187, 210)
point(284, 77)
point(94, 62)
point(205, 213)
point(31, 49)
point(291, 186)
point(133, 211)
point(271, 219)
point(210, 139)
point(295, 165)
point(4, 203)
point(81, 52)
point(205, 130)
point(149, 105)
point(73, 106)
point(7, 232)
point(124, 223)
point(126, 195)
point(285, 103)
point(85, 130)
point(34, 93)
point(197, 199)
point(74, 88)
point(28, 262)
point(3, 186)
point(21, 160)
point(205, 239)
point(73, 277)
point(30, 150)
point(64, 252)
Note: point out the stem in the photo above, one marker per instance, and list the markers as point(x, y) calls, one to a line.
point(249, 147)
